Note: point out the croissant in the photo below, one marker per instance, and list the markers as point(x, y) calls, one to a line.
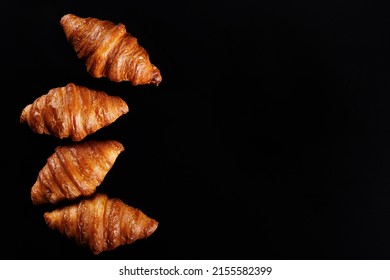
point(108, 50)
point(75, 170)
point(101, 223)
point(73, 111)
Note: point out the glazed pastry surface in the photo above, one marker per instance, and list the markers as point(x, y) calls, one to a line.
point(73, 111)
point(101, 223)
point(75, 170)
point(108, 50)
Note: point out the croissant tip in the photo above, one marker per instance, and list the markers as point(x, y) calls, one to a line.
point(117, 144)
point(67, 21)
point(153, 227)
point(64, 18)
point(37, 201)
point(36, 196)
point(23, 116)
point(46, 216)
point(50, 219)
point(156, 79)
point(67, 16)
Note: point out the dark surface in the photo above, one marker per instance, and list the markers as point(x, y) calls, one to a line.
point(268, 138)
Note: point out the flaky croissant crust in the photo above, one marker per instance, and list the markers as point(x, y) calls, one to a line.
point(108, 50)
point(73, 111)
point(75, 170)
point(101, 223)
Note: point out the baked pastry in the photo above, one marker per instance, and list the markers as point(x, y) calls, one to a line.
point(108, 50)
point(73, 111)
point(101, 223)
point(75, 170)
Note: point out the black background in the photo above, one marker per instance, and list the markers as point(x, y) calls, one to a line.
point(268, 137)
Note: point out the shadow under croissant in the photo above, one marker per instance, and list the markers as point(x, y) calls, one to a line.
point(101, 223)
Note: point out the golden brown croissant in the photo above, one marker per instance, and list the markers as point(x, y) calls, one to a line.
point(73, 111)
point(75, 170)
point(101, 223)
point(108, 50)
